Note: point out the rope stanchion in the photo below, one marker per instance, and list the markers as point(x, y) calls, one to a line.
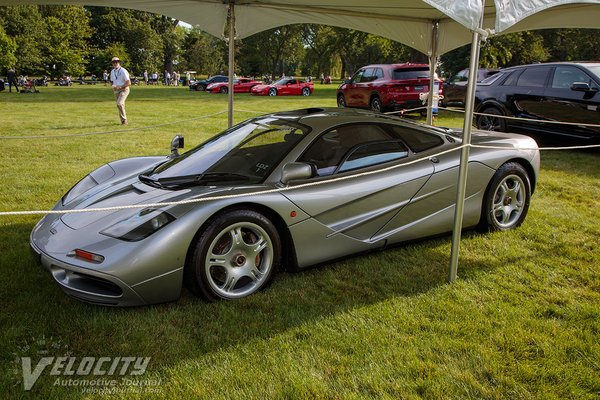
point(113, 131)
point(275, 190)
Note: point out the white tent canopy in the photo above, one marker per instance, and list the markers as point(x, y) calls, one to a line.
point(405, 21)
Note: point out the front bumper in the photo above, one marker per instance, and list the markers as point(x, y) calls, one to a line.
point(88, 285)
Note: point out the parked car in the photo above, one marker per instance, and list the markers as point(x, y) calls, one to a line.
point(202, 84)
point(284, 87)
point(298, 188)
point(383, 87)
point(455, 88)
point(566, 91)
point(240, 85)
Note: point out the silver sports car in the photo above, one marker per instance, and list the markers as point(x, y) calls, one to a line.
point(278, 192)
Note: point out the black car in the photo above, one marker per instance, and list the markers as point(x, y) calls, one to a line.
point(565, 91)
point(455, 88)
point(201, 85)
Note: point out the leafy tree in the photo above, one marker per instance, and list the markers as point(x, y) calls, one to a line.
point(24, 24)
point(65, 48)
point(8, 46)
point(203, 53)
point(102, 60)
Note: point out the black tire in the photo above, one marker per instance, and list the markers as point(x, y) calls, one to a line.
point(224, 89)
point(491, 123)
point(375, 104)
point(223, 268)
point(272, 92)
point(506, 199)
point(305, 91)
point(341, 101)
point(200, 88)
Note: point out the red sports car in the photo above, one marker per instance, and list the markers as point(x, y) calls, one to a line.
point(284, 86)
point(240, 85)
point(384, 87)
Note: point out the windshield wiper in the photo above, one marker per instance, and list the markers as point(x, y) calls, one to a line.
point(192, 180)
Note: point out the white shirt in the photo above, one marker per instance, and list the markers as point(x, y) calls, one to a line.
point(118, 76)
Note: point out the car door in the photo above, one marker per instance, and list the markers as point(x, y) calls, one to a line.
point(352, 91)
point(360, 206)
point(528, 94)
point(564, 101)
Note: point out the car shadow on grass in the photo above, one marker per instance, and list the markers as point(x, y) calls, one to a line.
point(190, 328)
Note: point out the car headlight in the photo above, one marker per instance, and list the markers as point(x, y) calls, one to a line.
point(140, 225)
point(95, 178)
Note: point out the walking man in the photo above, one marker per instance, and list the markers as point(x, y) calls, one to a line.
point(11, 76)
point(120, 80)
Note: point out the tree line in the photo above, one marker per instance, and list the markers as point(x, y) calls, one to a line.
point(80, 40)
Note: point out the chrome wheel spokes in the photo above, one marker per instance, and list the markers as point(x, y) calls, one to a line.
point(508, 201)
point(239, 260)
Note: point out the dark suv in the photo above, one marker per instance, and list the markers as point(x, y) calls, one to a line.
point(383, 87)
point(455, 88)
point(565, 91)
point(201, 85)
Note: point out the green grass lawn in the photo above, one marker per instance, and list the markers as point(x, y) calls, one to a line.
point(522, 321)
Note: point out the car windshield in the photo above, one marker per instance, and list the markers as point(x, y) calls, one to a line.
point(411, 73)
point(247, 152)
point(283, 81)
point(595, 68)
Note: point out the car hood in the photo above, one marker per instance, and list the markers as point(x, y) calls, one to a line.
point(132, 192)
point(261, 87)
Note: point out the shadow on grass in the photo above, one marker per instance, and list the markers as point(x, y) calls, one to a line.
point(190, 328)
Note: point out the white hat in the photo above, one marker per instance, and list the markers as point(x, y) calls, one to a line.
point(115, 59)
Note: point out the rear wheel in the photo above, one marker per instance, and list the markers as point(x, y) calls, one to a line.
point(237, 255)
point(305, 91)
point(506, 199)
point(272, 92)
point(200, 88)
point(376, 104)
point(493, 121)
point(341, 101)
point(224, 89)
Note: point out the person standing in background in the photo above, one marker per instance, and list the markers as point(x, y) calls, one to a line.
point(105, 77)
point(11, 76)
point(146, 77)
point(120, 80)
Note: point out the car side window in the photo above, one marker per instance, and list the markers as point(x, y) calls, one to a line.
point(368, 75)
point(367, 155)
point(566, 76)
point(378, 73)
point(534, 77)
point(331, 148)
point(358, 76)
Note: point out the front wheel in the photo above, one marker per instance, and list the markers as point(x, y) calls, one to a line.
point(272, 92)
point(224, 90)
point(237, 255)
point(506, 199)
point(305, 91)
point(341, 101)
point(200, 88)
point(491, 122)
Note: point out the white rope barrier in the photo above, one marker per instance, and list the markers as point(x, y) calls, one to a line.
point(525, 119)
point(275, 190)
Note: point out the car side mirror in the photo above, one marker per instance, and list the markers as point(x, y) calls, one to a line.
point(176, 143)
point(582, 87)
point(296, 170)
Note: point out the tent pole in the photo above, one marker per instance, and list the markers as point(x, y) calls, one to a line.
point(464, 158)
point(231, 18)
point(433, 60)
